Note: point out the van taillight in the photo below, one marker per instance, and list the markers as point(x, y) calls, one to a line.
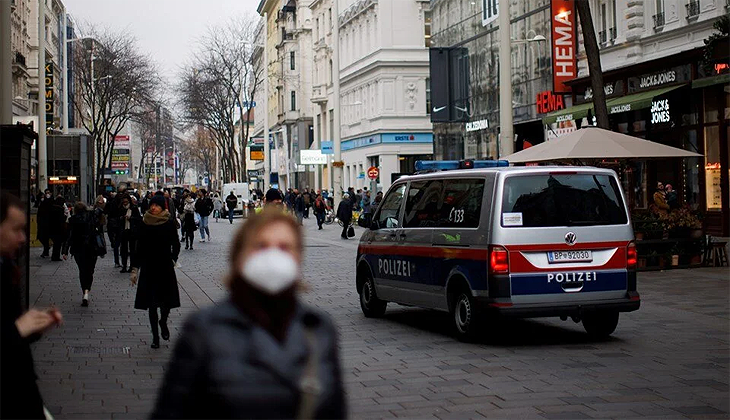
point(631, 255)
point(498, 260)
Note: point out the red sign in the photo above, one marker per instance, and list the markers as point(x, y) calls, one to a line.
point(373, 172)
point(564, 44)
point(549, 102)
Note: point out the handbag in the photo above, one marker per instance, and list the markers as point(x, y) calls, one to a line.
point(350, 232)
point(100, 243)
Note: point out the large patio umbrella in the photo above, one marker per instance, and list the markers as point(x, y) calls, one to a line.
point(597, 143)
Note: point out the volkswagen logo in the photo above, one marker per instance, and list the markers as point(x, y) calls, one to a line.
point(570, 238)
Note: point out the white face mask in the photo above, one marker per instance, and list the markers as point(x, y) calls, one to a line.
point(270, 271)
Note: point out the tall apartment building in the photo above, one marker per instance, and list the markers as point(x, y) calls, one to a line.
point(289, 72)
point(383, 85)
point(20, 50)
point(663, 85)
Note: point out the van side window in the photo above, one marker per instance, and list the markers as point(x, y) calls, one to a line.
point(388, 213)
point(422, 204)
point(462, 203)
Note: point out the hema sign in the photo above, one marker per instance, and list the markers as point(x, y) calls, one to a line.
point(564, 45)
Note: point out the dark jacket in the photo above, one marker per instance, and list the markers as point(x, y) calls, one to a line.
point(204, 206)
point(113, 210)
point(344, 210)
point(44, 218)
point(19, 395)
point(135, 222)
point(81, 234)
point(226, 366)
point(299, 205)
point(57, 221)
point(231, 202)
point(158, 246)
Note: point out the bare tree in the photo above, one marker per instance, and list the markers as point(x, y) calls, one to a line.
point(593, 56)
point(217, 83)
point(113, 78)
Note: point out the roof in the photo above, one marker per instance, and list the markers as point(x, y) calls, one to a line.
point(508, 170)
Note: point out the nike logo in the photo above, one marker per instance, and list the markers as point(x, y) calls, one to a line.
point(461, 109)
point(439, 109)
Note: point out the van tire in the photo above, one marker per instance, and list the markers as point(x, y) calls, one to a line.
point(371, 306)
point(600, 324)
point(464, 316)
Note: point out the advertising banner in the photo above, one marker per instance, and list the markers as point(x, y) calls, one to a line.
point(564, 44)
point(49, 94)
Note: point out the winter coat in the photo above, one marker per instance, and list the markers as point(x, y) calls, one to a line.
point(226, 366)
point(158, 247)
point(44, 218)
point(57, 221)
point(217, 204)
point(135, 222)
point(204, 206)
point(231, 202)
point(319, 206)
point(344, 211)
point(19, 395)
point(299, 205)
point(81, 234)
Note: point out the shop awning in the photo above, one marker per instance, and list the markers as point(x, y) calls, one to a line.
point(615, 105)
point(573, 113)
point(709, 81)
point(637, 100)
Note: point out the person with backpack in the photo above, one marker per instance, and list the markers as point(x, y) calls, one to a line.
point(231, 204)
point(217, 207)
point(83, 246)
point(129, 224)
point(204, 206)
point(189, 221)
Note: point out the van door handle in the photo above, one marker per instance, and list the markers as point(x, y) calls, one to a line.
point(402, 236)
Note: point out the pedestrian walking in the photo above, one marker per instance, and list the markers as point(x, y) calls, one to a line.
point(344, 213)
point(43, 222)
point(153, 265)
point(320, 210)
point(113, 217)
point(217, 207)
point(299, 206)
point(204, 206)
point(189, 221)
point(231, 204)
point(276, 356)
point(57, 227)
point(308, 199)
point(130, 222)
point(81, 244)
point(19, 392)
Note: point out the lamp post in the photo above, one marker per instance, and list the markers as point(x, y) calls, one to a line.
point(42, 156)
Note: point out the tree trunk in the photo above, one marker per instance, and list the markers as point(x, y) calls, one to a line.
point(594, 62)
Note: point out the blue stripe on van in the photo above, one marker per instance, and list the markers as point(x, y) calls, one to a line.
point(538, 284)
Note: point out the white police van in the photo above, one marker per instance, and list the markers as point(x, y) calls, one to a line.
point(491, 240)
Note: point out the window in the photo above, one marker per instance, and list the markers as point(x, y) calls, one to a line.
point(331, 80)
point(329, 14)
point(427, 28)
point(461, 205)
point(292, 63)
point(316, 30)
point(422, 204)
point(388, 212)
point(428, 95)
point(562, 200)
point(293, 101)
point(604, 24)
point(613, 20)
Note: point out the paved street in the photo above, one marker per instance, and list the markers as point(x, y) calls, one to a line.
point(668, 360)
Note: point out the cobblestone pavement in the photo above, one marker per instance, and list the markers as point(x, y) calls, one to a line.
point(668, 360)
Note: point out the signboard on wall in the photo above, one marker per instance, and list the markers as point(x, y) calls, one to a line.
point(120, 153)
point(312, 157)
point(564, 47)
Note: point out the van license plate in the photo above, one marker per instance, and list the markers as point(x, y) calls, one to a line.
point(569, 256)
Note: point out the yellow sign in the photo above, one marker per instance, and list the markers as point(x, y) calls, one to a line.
point(257, 155)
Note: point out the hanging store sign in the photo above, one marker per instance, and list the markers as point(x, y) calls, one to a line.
point(49, 94)
point(476, 125)
point(563, 44)
point(660, 111)
point(548, 102)
point(490, 11)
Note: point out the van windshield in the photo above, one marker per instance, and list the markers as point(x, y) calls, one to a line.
point(547, 200)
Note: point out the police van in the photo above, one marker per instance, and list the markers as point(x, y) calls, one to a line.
point(481, 239)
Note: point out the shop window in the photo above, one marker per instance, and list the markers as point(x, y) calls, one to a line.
point(713, 104)
point(691, 178)
point(636, 177)
point(713, 191)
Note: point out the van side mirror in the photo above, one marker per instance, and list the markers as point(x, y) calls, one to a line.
point(365, 220)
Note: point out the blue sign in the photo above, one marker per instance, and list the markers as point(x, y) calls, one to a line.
point(328, 148)
point(247, 103)
point(399, 138)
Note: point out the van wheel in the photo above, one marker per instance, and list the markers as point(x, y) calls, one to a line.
point(371, 306)
point(600, 324)
point(465, 317)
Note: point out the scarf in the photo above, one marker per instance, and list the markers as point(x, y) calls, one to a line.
point(272, 313)
point(156, 220)
point(127, 224)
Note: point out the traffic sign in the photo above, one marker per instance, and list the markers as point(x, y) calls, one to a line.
point(373, 172)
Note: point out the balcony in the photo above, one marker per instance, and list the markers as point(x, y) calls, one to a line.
point(319, 94)
point(693, 9)
point(602, 37)
point(658, 21)
point(612, 34)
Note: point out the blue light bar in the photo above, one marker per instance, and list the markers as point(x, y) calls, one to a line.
point(448, 165)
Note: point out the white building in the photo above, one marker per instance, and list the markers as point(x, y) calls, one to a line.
point(384, 85)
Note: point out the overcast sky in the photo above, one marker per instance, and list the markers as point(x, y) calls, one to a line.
point(166, 29)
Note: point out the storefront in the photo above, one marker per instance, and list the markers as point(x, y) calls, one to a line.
point(678, 101)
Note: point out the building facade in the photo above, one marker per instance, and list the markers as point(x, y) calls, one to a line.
point(458, 24)
point(20, 49)
point(384, 71)
point(289, 73)
point(662, 84)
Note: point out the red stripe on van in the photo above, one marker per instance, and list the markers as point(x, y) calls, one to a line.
point(563, 246)
point(425, 252)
